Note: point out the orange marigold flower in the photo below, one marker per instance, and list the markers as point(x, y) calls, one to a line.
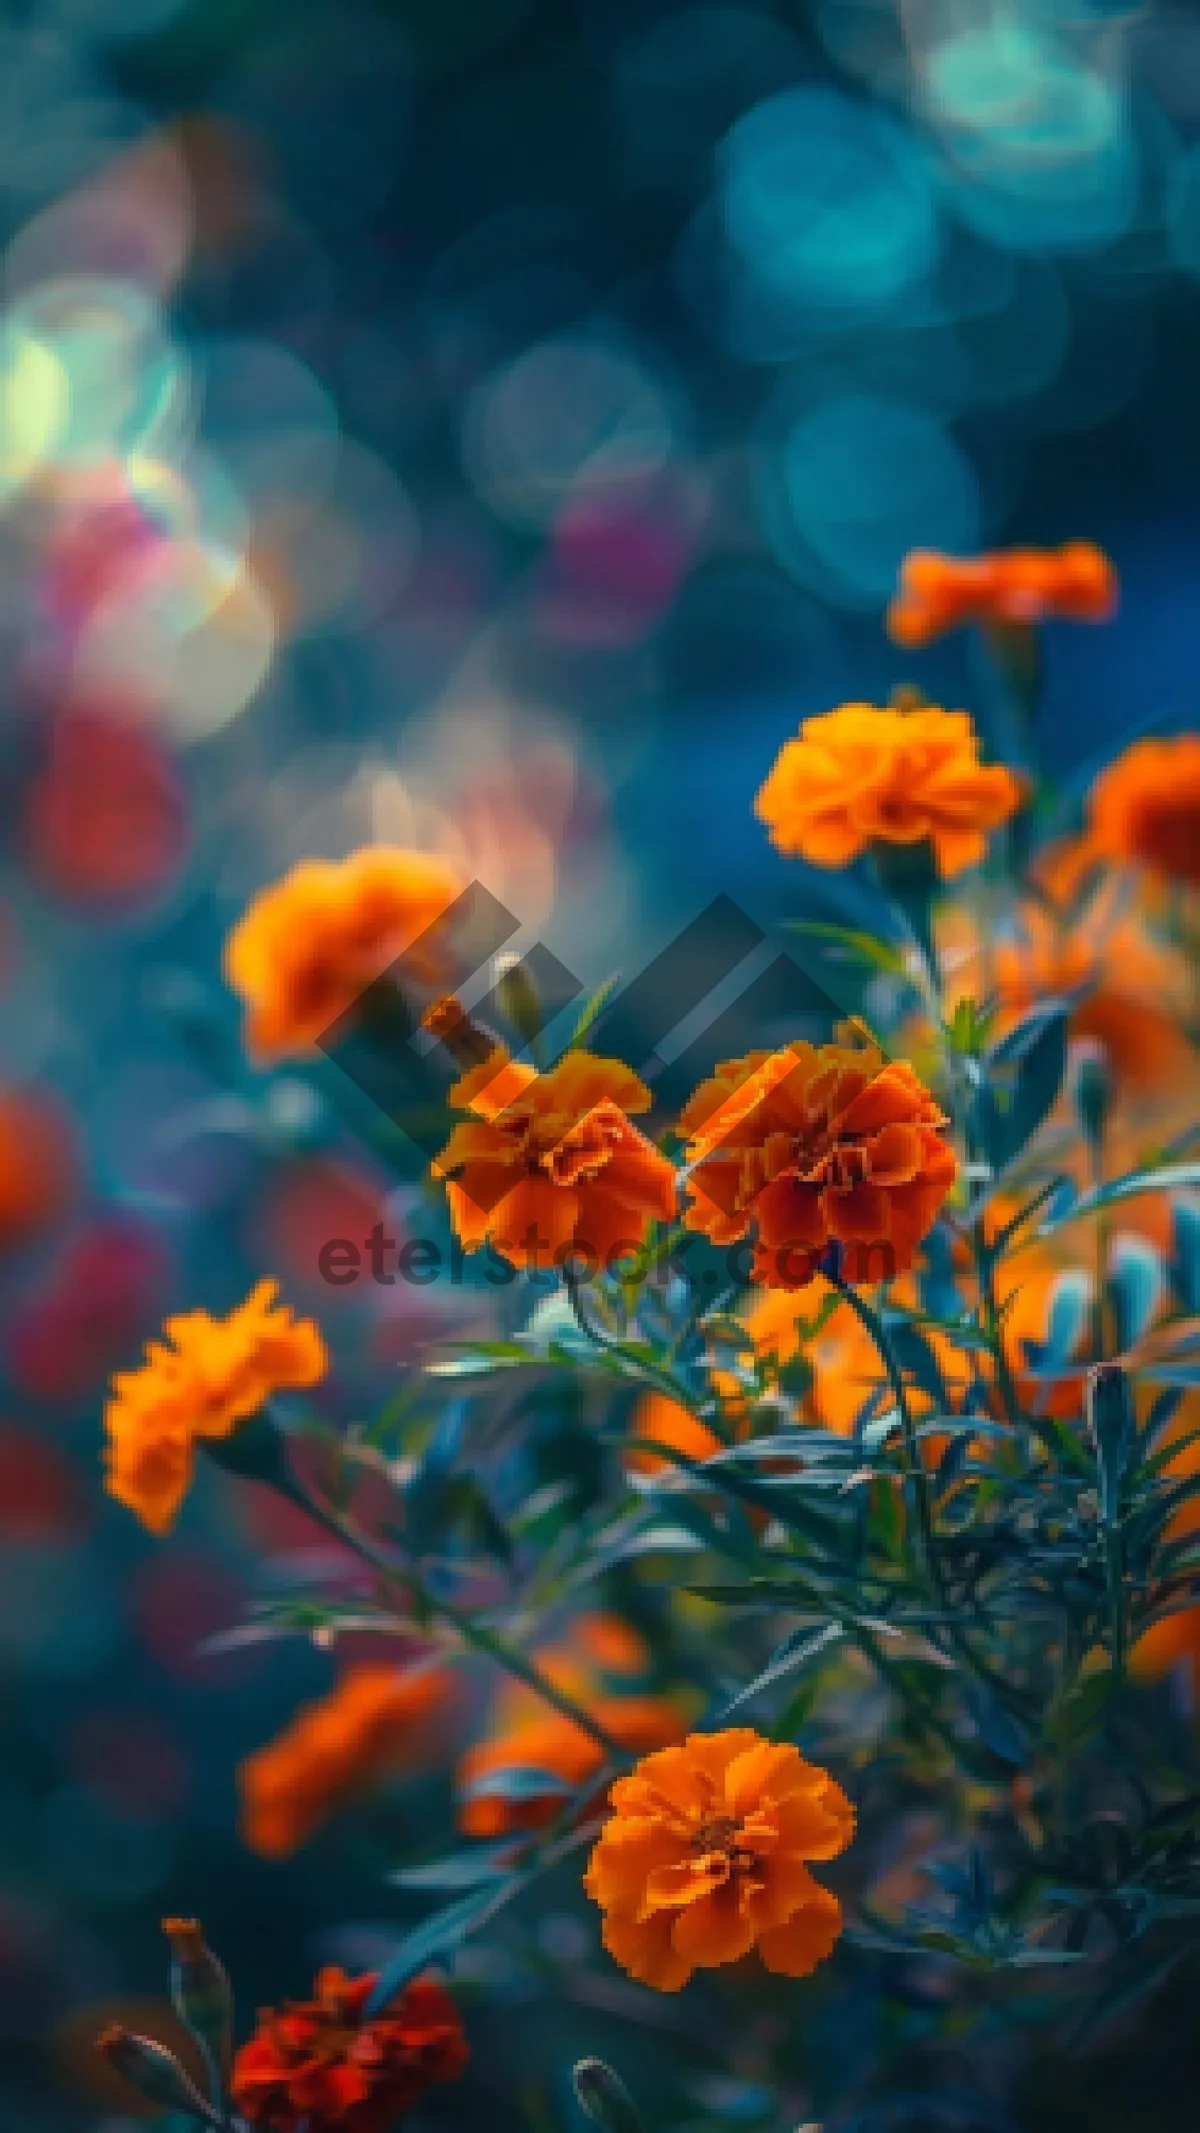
point(310, 945)
point(327, 2066)
point(550, 1168)
point(1014, 588)
point(200, 1381)
point(864, 775)
point(672, 1425)
point(1145, 807)
point(704, 1857)
point(813, 1145)
point(378, 1720)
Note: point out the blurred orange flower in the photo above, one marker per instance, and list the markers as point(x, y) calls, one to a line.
point(864, 775)
point(704, 1857)
point(327, 2066)
point(307, 947)
point(812, 1145)
point(378, 1720)
point(550, 1168)
point(1145, 807)
point(847, 1367)
point(200, 1381)
point(1017, 586)
point(527, 1735)
point(37, 1165)
point(1130, 990)
point(672, 1425)
point(563, 1751)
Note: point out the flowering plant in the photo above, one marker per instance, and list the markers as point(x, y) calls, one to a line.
point(828, 1494)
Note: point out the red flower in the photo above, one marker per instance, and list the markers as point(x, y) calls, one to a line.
point(329, 2067)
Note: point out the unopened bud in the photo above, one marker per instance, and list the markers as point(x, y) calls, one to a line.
point(200, 1991)
point(153, 2072)
point(468, 1043)
point(605, 2098)
point(907, 697)
point(1112, 1426)
point(519, 997)
point(1092, 1090)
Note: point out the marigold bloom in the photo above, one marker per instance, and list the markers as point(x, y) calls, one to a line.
point(864, 775)
point(378, 1720)
point(325, 2066)
point(200, 1381)
point(1014, 588)
point(812, 1145)
point(1145, 807)
point(550, 1167)
point(310, 945)
point(704, 1858)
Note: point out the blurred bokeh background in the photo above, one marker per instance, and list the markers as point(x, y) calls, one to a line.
point(487, 425)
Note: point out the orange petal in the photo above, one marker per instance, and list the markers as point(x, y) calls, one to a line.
point(808, 1937)
point(714, 1930)
point(646, 1951)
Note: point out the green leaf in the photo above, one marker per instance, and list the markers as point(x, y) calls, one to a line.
point(461, 1870)
point(864, 947)
point(1024, 1074)
point(437, 1936)
point(1170, 1178)
point(793, 1653)
point(1135, 1285)
point(591, 1009)
point(520, 1782)
point(1080, 1714)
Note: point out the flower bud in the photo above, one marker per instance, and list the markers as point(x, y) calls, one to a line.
point(200, 1991)
point(1092, 1091)
point(1112, 1427)
point(152, 2071)
point(468, 1043)
point(605, 2098)
point(519, 997)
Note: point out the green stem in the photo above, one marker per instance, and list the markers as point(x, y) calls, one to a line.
point(662, 1380)
point(918, 1478)
point(473, 1634)
point(985, 1270)
point(1113, 1571)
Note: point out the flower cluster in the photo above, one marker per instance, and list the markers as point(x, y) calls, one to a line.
point(914, 1480)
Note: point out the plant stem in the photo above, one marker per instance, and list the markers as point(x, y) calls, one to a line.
point(869, 1318)
point(662, 1380)
point(471, 1633)
point(985, 1280)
